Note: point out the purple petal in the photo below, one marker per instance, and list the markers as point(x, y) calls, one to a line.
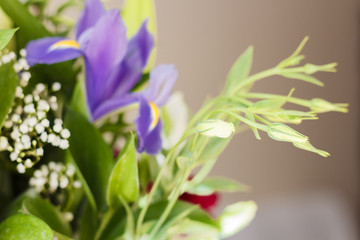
point(162, 80)
point(149, 140)
point(131, 69)
point(52, 50)
point(104, 52)
point(93, 11)
point(153, 142)
point(112, 105)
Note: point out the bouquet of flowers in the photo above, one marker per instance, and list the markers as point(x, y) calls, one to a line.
point(94, 146)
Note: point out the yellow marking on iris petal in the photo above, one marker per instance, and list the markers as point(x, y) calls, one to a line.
point(65, 44)
point(155, 115)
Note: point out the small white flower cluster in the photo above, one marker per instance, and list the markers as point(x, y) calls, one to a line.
point(26, 128)
point(53, 177)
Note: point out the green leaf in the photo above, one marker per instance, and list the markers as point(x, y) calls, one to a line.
point(5, 36)
point(194, 230)
point(78, 101)
point(267, 105)
point(303, 77)
point(88, 223)
point(236, 217)
point(124, 179)
point(240, 70)
point(84, 184)
point(92, 155)
point(213, 149)
point(133, 14)
point(250, 116)
point(216, 184)
point(48, 213)
point(25, 226)
point(8, 83)
point(59, 236)
point(30, 27)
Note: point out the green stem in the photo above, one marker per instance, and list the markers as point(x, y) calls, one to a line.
point(297, 101)
point(171, 204)
point(105, 221)
point(256, 77)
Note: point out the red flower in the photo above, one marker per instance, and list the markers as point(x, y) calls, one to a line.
point(205, 202)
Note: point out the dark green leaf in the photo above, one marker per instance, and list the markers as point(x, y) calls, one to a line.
point(5, 36)
point(85, 186)
point(59, 236)
point(30, 27)
point(92, 155)
point(16, 205)
point(124, 179)
point(240, 70)
point(48, 213)
point(8, 83)
point(78, 101)
point(25, 226)
point(88, 223)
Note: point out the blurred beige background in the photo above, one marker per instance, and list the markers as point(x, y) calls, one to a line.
point(204, 37)
point(300, 195)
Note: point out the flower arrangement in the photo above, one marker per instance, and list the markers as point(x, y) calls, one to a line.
point(93, 145)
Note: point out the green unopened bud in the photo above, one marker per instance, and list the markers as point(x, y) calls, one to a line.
point(282, 132)
point(321, 105)
point(308, 147)
point(236, 217)
point(215, 128)
point(311, 68)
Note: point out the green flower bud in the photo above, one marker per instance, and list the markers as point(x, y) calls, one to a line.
point(282, 132)
point(321, 105)
point(215, 128)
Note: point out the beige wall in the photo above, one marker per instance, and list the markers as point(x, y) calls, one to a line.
point(203, 38)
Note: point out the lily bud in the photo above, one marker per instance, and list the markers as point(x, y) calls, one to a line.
point(321, 105)
point(282, 132)
point(215, 128)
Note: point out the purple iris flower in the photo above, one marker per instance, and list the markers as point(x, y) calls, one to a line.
point(148, 123)
point(113, 66)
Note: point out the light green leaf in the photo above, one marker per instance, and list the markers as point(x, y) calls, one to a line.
point(303, 77)
point(8, 83)
point(25, 226)
point(240, 70)
point(48, 213)
point(236, 217)
point(5, 36)
point(92, 155)
point(250, 116)
point(124, 178)
point(194, 230)
point(134, 13)
point(213, 149)
point(216, 184)
point(267, 105)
